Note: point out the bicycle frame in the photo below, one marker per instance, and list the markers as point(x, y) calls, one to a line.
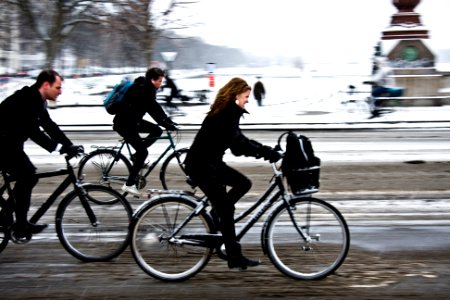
point(261, 206)
point(266, 201)
point(171, 145)
point(152, 166)
point(70, 179)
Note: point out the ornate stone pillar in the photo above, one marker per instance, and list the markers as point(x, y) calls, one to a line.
point(409, 56)
point(405, 24)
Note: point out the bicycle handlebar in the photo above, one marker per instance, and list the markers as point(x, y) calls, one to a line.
point(78, 152)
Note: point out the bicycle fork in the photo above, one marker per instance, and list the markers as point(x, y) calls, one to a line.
point(84, 196)
point(303, 231)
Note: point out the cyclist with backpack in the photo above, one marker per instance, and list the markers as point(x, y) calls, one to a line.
point(139, 100)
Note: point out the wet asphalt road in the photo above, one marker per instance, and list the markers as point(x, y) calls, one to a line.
point(399, 218)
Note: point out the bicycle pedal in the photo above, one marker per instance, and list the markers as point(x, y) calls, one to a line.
point(20, 239)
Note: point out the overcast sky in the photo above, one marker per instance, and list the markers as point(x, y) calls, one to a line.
point(329, 29)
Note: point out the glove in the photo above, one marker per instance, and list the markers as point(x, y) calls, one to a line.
point(171, 126)
point(71, 150)
point(271, 155)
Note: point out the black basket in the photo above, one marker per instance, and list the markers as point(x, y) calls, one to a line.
point(304, 180)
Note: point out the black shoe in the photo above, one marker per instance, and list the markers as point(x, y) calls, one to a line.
point(36, 228)
point(23, 230)
point(242, 263)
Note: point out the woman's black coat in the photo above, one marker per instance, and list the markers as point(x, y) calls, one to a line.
point(217, 134)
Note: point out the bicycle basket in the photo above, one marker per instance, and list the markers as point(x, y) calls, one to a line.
point(301, 180)
point(300, 166)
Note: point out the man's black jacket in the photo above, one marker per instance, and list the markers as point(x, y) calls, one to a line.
point(139, 100)
point(22, 115)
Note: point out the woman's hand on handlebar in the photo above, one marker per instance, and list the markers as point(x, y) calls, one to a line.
point(272, 154)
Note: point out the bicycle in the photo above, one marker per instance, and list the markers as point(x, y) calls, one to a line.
point(109, 166)
point(173, 236)
point(91, 221)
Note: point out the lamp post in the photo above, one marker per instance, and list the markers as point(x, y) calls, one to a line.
point(168, 58)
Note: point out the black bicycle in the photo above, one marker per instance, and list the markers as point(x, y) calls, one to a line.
point(91, 220)
point(110, 167)
point(173, 235)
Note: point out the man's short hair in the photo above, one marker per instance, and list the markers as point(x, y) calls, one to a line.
point(154, 74)
point(47, 76)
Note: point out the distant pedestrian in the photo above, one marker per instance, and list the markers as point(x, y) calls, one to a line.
point(259, 91)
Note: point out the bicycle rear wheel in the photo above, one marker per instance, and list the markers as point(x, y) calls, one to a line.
point(99, 167)
point(172, 174)
point(103, 240)
point(299, 258)
point(154, 249)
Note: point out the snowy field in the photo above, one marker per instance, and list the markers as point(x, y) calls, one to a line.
point(315, 97)
point(300, 100)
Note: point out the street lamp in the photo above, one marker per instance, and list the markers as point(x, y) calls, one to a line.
point(168, 58)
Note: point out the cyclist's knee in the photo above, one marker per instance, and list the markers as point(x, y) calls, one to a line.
point(142, 152)
point(246, 184)
point(158, 132)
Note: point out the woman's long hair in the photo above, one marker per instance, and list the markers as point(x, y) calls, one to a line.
point(228, 94)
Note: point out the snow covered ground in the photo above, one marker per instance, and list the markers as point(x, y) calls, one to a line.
point(295, 99)
point(313, 98)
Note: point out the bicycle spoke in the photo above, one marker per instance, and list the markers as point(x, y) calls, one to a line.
point(102, 240)
point(323, 248)
point(99, 167)
point(157, 251)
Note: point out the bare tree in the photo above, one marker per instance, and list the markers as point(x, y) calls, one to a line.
point(129, 32)
point(148, 19)
point(53, 20)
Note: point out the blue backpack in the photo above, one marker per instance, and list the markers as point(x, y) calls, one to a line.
point(113, 100)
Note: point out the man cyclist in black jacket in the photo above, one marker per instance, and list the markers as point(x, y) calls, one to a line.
point(140, 99)
point(22, 115)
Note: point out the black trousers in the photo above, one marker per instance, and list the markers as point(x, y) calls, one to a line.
point(214, 183)
point(18, 165)
point(140, 145)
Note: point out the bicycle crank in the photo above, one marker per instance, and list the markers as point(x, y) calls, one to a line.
point(141, 182)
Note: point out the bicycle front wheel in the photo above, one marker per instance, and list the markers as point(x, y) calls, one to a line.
point(159, 252)
point(105, 167)
point(99, 239)
point(324, 246)
point(172, 174)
